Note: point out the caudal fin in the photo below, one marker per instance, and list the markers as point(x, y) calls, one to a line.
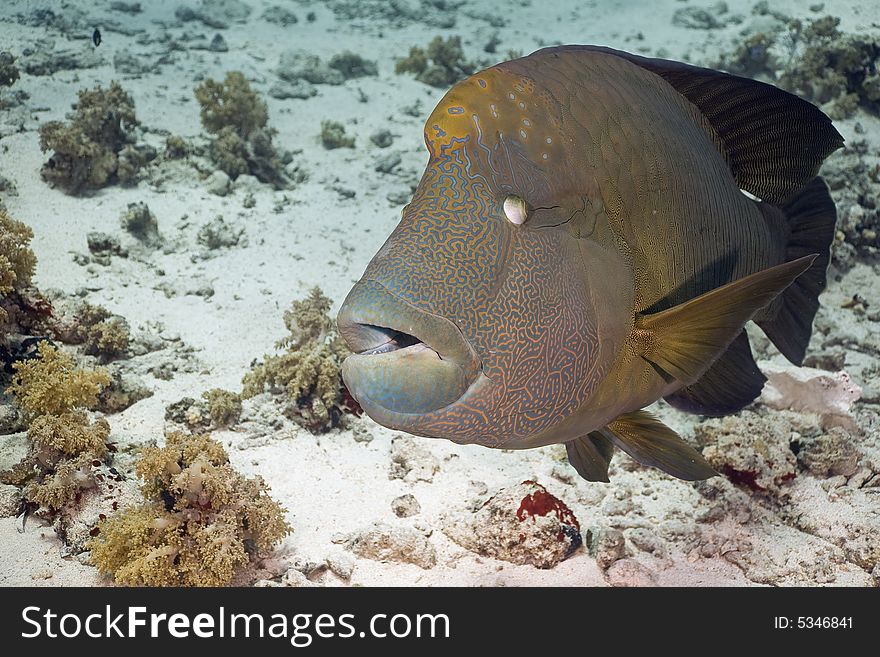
point(812, 216)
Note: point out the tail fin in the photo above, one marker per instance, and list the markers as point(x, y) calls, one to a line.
point(811, 217)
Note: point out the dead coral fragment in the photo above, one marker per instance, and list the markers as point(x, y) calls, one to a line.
point(86, 150)
point(308, 372)
point(441, 65)
point(202, 520)
point(53, 385)
point(238, 117)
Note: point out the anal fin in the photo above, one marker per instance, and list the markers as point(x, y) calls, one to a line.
point(590, 455)
point(730, 384)
point(650, 442)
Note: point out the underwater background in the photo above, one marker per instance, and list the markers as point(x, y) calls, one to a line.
point(192, 170)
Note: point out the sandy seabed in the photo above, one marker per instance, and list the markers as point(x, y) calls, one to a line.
point(818, 528)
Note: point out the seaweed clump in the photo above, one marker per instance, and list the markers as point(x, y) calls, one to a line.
point(65, 444)
point(95, 147)
point(307, 372)
point(440, 65)
point(17, 261)
point(237, 117)
point(201, 521)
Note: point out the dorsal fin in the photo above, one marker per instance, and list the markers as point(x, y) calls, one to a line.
point(774, 142)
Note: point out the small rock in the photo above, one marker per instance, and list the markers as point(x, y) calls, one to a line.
point(610, 546)
point(218, 183)
point(341, 565)
point(218, 44)
point(387, 163)
point(382, 138)
point(248, 184)
point(828, 394)
point(695, 18)
point(830, 454)
point(411, 461)
point(10, 500)
point(104, 244)
point(285, 89)
point(405, 506)
point(384, 542)
point(11, 419)
point(629, 572)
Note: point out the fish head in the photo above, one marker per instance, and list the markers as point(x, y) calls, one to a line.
point(475, 321)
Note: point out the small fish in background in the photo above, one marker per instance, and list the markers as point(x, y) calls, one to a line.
point(96, 37)
point(580, 246)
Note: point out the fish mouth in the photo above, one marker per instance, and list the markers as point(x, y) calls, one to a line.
point(404, 360)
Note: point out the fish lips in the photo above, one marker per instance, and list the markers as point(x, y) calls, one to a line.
point(405, 361)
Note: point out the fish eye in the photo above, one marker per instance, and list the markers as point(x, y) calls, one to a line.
point(515, 209)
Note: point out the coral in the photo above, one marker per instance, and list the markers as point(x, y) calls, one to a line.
point(17, 261)
point(201, 522)
point(224, 406)
point(69, 434)
point(333, 135)
point(308, 371)
point(8, 71)
point(238, 118)
point(832, 66)
point(231, 103)
point(441, 65)
point(86, 150)
point(352, 65)
point(523, 524)
point(140, 222)
point(101, 332)
point(218, 234)
point(65, 445)
point(176, 147)
point(53, 385)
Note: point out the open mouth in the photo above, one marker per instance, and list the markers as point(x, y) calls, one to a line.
point(396, 340)
point(405, 360)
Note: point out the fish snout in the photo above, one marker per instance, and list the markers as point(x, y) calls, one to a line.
point(405, 359)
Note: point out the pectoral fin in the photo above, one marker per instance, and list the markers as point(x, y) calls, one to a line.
point(590, 455)
point(650, 442)
point(684, 340)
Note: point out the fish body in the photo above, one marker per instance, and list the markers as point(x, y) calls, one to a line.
point(579, 246)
